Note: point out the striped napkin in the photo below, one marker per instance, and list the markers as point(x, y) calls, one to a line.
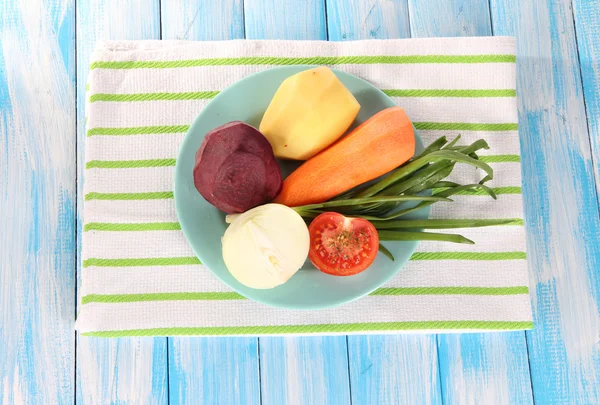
point(140, 277)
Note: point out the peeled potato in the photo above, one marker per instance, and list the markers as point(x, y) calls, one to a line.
point(309, 112)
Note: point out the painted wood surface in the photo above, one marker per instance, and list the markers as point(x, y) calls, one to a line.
point(587, 28)
point(315, 370)
point(214, 371)
point(114, 370)
point(555, 149)
point(385, 369)
point(210, 370)
point(356, 19)
point(200, 20)
point(42, 86)
point(390, 370)
point(37, 202)
point(285, 19)
point(479, 368)
point(304, 370)
point(449, 18)
point(487, 368)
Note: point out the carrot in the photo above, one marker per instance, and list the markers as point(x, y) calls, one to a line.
point(377, 146)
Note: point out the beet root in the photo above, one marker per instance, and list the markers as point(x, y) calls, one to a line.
point(235, 168)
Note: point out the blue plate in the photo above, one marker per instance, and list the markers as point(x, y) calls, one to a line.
point(204, 225)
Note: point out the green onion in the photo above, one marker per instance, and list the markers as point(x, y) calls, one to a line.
point(407, 236)
point(420, 179)
point(445, 223)
point(386, 252)
point(364, 201)
point(433, 147)
point(445, 193)
point(452, 143)
point(421, 162)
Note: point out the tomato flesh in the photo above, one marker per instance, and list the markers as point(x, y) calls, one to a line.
point(342, 246)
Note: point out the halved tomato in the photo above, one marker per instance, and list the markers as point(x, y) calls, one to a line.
point(342, 246)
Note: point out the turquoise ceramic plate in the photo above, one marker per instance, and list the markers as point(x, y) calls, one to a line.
point(204, 225)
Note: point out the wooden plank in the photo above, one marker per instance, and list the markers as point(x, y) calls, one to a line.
point(210, 370)
point(304, 370)
point(400, 369)
point(353, 20)
point(123, 370)
point(213, 371)
point(485, 368)
point(311, 369)
point(202, 20)
point(449, 18)
point(37, 202)
point(394, 369)
point(483, 377)
point(562, 222)
point(587, 24)
point(285, 19)
point(114, 370)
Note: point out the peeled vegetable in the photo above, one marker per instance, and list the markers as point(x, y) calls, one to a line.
point(265, 246)
point(309, 112)
point(378, 145)
point(235, 168)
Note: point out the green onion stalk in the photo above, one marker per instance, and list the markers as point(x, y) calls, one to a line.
point(421, 180)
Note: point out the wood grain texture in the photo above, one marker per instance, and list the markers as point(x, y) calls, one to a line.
point(561, 221)
point(202, 20)
point(304, 370)
point(389, 370)
point(38, 197)
point(359, 19)
point(285, 19)
point(297, 370)
point(214, 371)
point(210, 370)
point(487, 368)
point(587, 25)
point(37, 202)
point(132, 371)
point(471, 366)
point(385, 369)
point(124, 370)
point(449, 18)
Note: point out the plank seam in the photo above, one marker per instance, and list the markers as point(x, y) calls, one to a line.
point(587, 120)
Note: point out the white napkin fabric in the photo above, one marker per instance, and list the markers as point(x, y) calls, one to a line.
point(140, 277)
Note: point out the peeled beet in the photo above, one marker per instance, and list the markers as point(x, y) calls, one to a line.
point(235, 168)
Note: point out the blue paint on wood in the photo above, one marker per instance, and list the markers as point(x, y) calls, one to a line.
point(587, 23)
point(474, 379)
point(114, 370)
point(210, 370)
point(385, 369)
point(202, 20)
point(356, 19)
point(564, 346)
point(304, 370)
point(213, 371)
point(389, 370)
point(37, 246)
point(485, 368)
point(449, 18)
point(328, 382)
point(121, 371)
point(285, 19)
point(562, 222)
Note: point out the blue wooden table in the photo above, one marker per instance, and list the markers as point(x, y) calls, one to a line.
point(45, 46)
